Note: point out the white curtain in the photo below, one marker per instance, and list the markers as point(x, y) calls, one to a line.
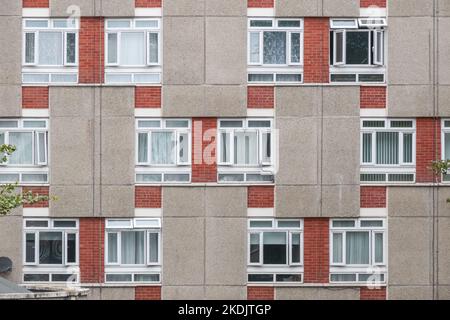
point(29, 47)
point(112, 248)
point(254, 47)
point(246, 148)
point(153, 47)
point(379, 248)
point(184, 148)
point(407, 147)
point(163, 148)
point(71, 47)
point(357, 248)
point(295, 47)
point(24, 147)
point(143, 147)
point(112, 47)
point(367, 147)
point(132, 48)
point(225, 148)
point(387, 147)
point(274, 47)
point(337, 247)
point(50, 48)
point(295, 247)
point(133, 244)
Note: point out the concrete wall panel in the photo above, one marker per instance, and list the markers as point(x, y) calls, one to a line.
point(11, 244)
point(11, 8)
point(59, 8)
point(226, 292)
point(73, 201)
point(341, 101)
point(340, 201)
point(410, 101)
point(183, 101)
point(11, 100)
point(297, 201)
point(410, 202)
point(286, 293)
point(117, 201)
point(444, 251)
point(117, 294)
point(184, 7)
point(444, 49)
point(183, 202)
point(183, 293)
point(298, 101)
point(410, 292)
point(298, 8)
point(341, 8)
point(225, 101)
point(116, 8)
point(225, 8)
point(218, 204)
point(408, 8)
point(11, 54)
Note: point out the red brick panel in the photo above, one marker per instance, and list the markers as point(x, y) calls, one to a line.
point(35, 97)
point(204, 165)
point(260, 3)
point(368, 3)
point(147, 97)
point(373, 97)
point(260, 197)
point(92, 237)
point(373, 197)
point(316, 250)
point(260, 97)
point(147, 293)
point(260, 293)
point(316, 50)
point(148, 197)
point(37, 191)
point(91, 47)
point(372, 294)
point(35, 3)
point(148, 3)
point(428, 148)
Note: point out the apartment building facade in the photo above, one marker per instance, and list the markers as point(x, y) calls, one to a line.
point(208, 149)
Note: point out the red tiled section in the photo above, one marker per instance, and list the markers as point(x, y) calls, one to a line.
point(373, 197)
point(147, 97)
point(260, 197)
point(148, 197)
point(35, 97)
point(260, 293)
point(316, 50)
point(92, 266)
point(260, 3)
point(261, 97)
point(91, 50)
point(147, 293)
point(204, 165)
point(428, 148)
point(37, 191)
point(368, 3)
point(366, 293)
point(35, 3)
point(373, 97)
point(148, 3)
point(316, 250)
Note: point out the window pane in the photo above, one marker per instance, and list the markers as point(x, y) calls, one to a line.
point(295, 248)
point(343, 224)
point(143, 147)
point(254, 47)
point(50, 247)
point(254, 248)
point(379, 248)
point(111, 277)
point(184, 148)
point(36, 224)
point(274, 47)
point(30, 247)
point(266, 147)
point(261, 224)
point(357, 45)
point(112, 47)
point(71, 47)
point(64, 224)
point(163, 148)
point(274, 248)
point(153, 247)
point(146, 278)
point(2, 138)
point(246, 148)
point(29, 47)
point(339, 47)
point(289, 24)
point(371, 223)
point(288, 224)
point(50, 48)
point(112, 248)
point(71, 248)
point(357, 248)
point(153, 47)
point(176, 177)
point(177, 124)
point(132, 48)
point(407, 147)
point(133, 246)
point(260, 23)
point(367, 147)
point(295, 47)
point(387, 147)
point(447, 146)
point(41, 145)
point(254, 77)
point(225, 150)
point(379, 40)
point(337, 248)
point(24, 148)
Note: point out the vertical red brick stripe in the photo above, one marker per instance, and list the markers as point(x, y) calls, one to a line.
point(428, 148)
point(260, 197)
point(260, 293)
point(92, 237)
point(368, 3)
point(372, 294)
point(147, 97)
point(148, 3)
point(147, 293)
point(148, 197)
point(316, 250)
point(35, 97)
point(373, 97)
point(260, 97)
point(35, 3)
point(37, 191)
point(91, 47)
point(373, 197)
point(316, 50)
point(204, 165)
point(260, 3)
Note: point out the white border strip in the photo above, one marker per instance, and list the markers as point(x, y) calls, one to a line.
point(261, 12)
point(260, 212)
point(373, 12)
point(148, 12)
point(148, 112)
point(150, 212)
point(370, 112)
point(373, 212)
point(35, 113)
point(266, 112)
point(36, 212)
point(36, 12)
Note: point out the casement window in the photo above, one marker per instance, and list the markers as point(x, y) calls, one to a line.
point(164, 146)
point(275, 45)
point(29, 162)
point(275, 250)
point(358, 250)
point(388, 147)
point(50, 250)
point(445, 145)
point(133, 44)
point(50, 50)
point(133, 250)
